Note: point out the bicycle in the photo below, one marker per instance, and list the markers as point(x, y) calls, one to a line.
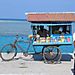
point(9, 51)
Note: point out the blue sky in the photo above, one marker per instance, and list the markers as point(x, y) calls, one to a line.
point(16, 9)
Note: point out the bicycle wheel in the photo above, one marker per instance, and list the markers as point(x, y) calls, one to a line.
point(51, 54)
point(8, 52)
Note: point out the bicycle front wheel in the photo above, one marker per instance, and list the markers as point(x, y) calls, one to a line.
point(8, 52)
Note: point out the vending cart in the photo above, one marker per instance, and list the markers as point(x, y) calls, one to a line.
point(53, 32)
point(50, 34)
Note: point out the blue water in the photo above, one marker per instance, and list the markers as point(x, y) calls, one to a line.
point(8, 30)
point(17, 27)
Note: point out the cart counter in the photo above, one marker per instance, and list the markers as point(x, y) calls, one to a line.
point(54, 40)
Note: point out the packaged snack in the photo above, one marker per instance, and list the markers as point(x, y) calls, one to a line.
point(42, 39)
point(48, 39)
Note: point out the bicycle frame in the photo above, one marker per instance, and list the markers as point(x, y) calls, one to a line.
point(30, 41)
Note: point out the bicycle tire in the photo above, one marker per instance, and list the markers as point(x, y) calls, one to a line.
point(52, 59)
point(8, 52)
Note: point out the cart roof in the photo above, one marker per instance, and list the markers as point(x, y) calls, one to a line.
point(52, 16)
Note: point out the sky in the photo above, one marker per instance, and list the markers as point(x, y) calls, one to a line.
point(16, 9)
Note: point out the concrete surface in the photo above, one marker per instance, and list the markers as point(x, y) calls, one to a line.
point(26, 66)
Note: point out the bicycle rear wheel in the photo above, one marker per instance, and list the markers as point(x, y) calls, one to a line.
point(8, 52)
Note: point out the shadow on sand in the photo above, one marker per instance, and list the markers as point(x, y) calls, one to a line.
point(65, 57)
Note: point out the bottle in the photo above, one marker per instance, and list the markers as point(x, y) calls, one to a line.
point(37, 38)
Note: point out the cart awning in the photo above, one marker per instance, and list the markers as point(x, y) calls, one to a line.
point(35, 24)
point(46, 17)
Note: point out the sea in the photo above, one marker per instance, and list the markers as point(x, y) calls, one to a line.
point(10, 28)
point(13, 26)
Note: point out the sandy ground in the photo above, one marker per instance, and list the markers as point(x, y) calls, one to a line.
point(26, 66)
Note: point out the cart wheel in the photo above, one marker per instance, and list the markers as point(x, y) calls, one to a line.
point(51, 54)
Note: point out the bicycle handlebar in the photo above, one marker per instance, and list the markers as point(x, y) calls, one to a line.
point(17, 36)
point(29, 37)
